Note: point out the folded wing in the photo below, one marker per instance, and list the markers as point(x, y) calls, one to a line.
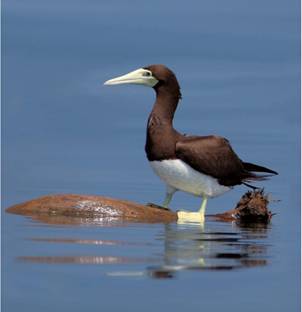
point(214, 156)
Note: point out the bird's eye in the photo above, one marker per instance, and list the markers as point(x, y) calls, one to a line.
point(146, 74)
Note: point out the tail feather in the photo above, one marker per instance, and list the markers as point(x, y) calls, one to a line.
point(251, 177)
point(256, 168)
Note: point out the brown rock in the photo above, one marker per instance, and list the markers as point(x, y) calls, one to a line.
point(81, 209)
point(89, 206)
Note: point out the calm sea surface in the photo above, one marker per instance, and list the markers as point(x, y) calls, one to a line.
point(63, 132)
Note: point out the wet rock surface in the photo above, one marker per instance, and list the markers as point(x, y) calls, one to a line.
point(70, 208)
point(67, 206)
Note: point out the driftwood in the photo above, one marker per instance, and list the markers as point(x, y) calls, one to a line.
point(74, 209)
point(252, 207)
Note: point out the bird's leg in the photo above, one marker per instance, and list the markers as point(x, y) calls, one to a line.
point(167, 200)
point(169, 194)
point(186, 216)
point(202, 209)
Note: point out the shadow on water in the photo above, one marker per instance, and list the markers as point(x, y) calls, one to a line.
point(217, 246)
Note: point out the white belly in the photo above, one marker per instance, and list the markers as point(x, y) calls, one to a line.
point(177, 174)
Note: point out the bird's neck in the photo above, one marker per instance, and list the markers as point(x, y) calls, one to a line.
point(167, 98)
point(161, 136)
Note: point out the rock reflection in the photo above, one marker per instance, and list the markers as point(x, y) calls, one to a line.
point(185, 247)
point(101, 242)
point(82, 259)
point(194, 248)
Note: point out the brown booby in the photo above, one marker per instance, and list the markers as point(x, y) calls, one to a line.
point(204, 166)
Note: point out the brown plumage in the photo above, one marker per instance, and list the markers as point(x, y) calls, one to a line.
point(210, 155)
point(204, 166)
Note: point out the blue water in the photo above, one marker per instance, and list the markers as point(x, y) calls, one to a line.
point(63, 132)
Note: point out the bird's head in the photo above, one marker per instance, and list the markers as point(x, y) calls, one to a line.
point(154, 76)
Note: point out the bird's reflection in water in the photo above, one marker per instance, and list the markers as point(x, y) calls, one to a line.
point(192, 247)
point(213, 246)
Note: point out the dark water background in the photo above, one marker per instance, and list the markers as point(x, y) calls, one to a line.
point(63, 132)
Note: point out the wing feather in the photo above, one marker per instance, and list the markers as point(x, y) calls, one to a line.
point(214, 156)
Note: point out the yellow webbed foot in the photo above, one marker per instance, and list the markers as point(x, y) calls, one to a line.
point(190, 217)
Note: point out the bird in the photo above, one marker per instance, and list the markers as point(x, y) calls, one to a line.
point(204, 166)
